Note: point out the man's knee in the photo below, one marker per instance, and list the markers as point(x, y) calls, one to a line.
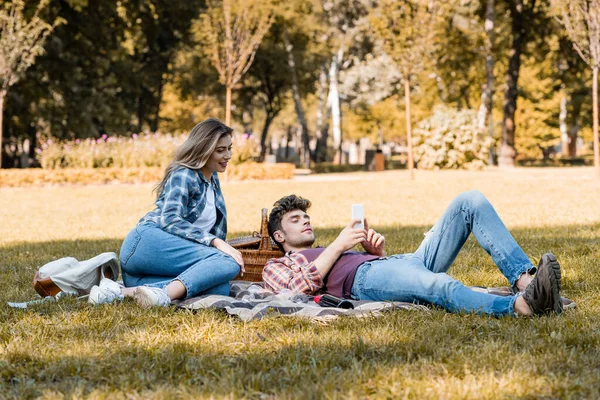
point(446, 286)
point(474, 198)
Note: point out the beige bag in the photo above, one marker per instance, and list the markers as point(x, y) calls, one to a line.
point(73, 277)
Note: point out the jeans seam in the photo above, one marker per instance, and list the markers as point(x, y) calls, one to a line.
point(137, 240)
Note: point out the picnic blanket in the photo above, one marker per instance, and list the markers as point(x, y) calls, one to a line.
point(250, 301)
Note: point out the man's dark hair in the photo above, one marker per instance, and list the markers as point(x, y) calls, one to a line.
point(280, 208)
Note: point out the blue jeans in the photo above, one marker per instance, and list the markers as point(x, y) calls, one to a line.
point(152, 257)
point(421, 277)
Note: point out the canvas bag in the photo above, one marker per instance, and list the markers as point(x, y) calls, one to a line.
point(74, 277)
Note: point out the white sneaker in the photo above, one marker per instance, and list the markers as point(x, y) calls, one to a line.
point(151, 296)
point(106, 292)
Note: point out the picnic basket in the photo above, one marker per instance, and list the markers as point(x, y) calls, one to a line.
point(256, 250)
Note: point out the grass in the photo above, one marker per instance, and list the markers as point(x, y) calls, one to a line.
point(72, 350)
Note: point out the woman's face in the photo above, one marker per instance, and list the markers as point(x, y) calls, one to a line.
point(220, 157)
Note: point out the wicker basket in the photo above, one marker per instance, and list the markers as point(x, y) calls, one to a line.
point(256, 251)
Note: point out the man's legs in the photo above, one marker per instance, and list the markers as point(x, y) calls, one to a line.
point(472, 212)
point(405, 278)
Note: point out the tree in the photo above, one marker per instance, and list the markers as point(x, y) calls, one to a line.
point(155, 28)
point(406, 29)
point(488, 92)
point(347, 23)
point(522, 17)
point(232, 31)
point(268, 81)
point(21, 41)
point(581, 19)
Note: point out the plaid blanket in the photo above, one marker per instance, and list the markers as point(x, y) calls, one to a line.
point(250, 301)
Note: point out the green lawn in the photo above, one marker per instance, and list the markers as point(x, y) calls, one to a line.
point(69, 349)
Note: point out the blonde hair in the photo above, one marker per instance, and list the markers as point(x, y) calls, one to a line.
point(197, 148)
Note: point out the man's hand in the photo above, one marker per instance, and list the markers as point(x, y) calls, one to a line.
point(374, 243)
point(349, 237)
point(230, 251)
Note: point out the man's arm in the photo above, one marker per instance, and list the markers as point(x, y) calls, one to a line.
point(347, 239)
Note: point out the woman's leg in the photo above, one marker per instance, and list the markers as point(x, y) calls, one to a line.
point(189, 268)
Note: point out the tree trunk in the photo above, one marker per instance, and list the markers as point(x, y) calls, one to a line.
point(574, 133)
point(228, 106)
point(287, 142)
point(507, 148)
point(595, 124)
point(298, 100)
point(321, 149)
point(141, 113)
point(263, 136)
point(2, 96)
point(408, 128)
point(490, 21)
point(562, 126)
point(320, 106)
point(334, 100)
point(32, 135)
point(155, 118)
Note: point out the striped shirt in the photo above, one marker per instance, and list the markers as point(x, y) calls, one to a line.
point(181, 203)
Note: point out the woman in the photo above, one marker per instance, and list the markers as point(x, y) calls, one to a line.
point(178, 250)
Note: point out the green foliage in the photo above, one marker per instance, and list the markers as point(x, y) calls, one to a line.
point(451, 139)
point(406, 28)
point(21, 40)
point(105, 77)
point(537, 115)
point(144, 65)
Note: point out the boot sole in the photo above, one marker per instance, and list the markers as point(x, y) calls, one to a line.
point(549, 261)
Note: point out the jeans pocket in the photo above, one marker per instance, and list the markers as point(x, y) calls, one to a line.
point(129, 245)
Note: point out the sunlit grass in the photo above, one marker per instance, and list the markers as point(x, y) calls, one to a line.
point(69, 349)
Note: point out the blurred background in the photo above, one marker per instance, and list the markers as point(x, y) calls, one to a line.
point(322, 84)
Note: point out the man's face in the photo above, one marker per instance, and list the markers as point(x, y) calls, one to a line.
point(296, 232)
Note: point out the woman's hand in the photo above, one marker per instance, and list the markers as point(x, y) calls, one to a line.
point(226, 248)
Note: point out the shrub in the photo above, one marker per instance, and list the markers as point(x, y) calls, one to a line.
point(327, 168)
point(84, 176)
point(451, 139)
point(145, 150)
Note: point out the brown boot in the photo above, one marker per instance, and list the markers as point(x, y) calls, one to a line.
point(542, 295)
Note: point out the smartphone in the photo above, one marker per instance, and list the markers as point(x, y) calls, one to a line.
point(358, 212)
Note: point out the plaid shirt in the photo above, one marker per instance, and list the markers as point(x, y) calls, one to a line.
point(181, 203)
point(293, 272)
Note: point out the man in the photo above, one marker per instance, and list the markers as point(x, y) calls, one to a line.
point(416, 277)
